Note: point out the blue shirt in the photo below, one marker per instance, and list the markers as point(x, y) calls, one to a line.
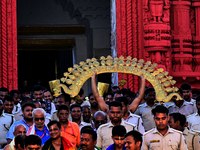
point(12, 128)
point(112, 147)
point(44, 134)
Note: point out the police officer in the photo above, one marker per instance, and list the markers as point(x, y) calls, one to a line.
point(162, 136)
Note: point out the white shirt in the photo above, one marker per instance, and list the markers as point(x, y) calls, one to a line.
point(194, 122)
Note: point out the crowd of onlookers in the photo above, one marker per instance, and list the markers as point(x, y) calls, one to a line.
point(32, 118)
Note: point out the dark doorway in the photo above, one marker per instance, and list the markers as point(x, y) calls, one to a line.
point(42, 65)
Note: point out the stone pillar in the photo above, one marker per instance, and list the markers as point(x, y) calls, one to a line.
point(181, 38)
point(8, 44)
point(157, 32)
point(196, 39)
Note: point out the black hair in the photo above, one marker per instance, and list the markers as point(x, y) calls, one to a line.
point(75, 105)
point(54, 122)
point(118, 92)
point(81, 92)
point(180, 90)
point(118, 130)
point(38, 88)
point(198, 99)
point(149, 89)
point(33, 140)
point(28, 104)
point(26, 99)
point(8, 98)
point(63, 107)
point(115, 104)
point(126, 91)
point(90, 95)
point(89, 130)
point(20, 139)
point(4, 89)
point(186, 86)
point(66, 97)
point(179, 117)
point(196, 92)
point(115, 87)
point(109, 93)
point(12, 92)
point(136, 135)
point(160, 109)
point(122, 99)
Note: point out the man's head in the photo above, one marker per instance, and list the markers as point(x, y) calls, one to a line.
point(118, 133)
point(27, 110)
point(38, 92)
point(150, 95)
point(33, 142)
point(3, 92)
point(88, 138)
point(93, 101)
point(115, 112)
point(161, 117)
point(117, 94)
point(63, 113)
point(54, 129)
point(133, 140)
point(48, 96)
point(75, 110)
point(16, 96)
point(195, 93)
point(39, 117)
point(186, 88)
point(80, 97)
point(20, 142)
point(108, 98)
point(198, 104)
point(19, 129)
point(62, 99)
point(177, 121)
point(26, 91)
point(179, 102)
point(124, 101)
point(37, 104)
point(8, 104)
point(99, 118)
point(115, 88)
point(86, 112)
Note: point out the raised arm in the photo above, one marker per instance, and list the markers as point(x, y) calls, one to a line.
point(103, 106)
point(133, 106)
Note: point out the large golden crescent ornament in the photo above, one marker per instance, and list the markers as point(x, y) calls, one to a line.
point(79, 74)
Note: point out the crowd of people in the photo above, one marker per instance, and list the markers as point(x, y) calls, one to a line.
point(33, 119)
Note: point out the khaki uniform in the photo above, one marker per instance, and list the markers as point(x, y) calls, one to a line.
point(172, 140)
point(137, 121)
point(186, 109)
point(6, 120)
point(192, 139)
point(104, 134)
point(194, 122)
point(144, 111)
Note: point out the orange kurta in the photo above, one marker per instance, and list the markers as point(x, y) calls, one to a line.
point(72, 133)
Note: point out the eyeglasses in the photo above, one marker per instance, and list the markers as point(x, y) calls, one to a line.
point(37, 119)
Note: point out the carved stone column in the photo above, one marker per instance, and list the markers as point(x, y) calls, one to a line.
point(157, 32)
point(181, 38)
point(196, 39)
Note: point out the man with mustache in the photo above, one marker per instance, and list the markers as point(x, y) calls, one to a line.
point(93, 103)
point(162, 136)
point(27, 120)
point(88, 139)
point(186, 88)
point(133, 140)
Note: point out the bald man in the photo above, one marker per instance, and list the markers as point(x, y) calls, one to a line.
point(99, 118)
point(19, 129)
point(39, 128)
